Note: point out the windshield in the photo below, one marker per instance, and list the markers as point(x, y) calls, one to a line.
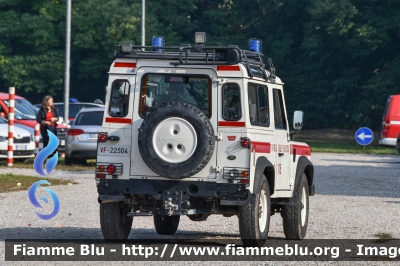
point(159, 89)
point(23, 110)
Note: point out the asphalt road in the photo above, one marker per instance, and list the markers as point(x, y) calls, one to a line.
point(357, 197)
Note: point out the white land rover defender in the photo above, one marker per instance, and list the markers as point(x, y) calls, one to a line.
point(199, 130)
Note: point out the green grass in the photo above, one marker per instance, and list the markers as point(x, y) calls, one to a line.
point(10, 182)
point(340, 141)
point(91, 165)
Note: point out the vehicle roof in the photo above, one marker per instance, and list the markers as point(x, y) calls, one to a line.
point(91, 109)
point(5, 96)
point(94, 104)
point(224, 59)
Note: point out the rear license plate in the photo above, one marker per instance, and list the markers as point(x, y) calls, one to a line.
point(113, 150)
point(92, 136)
point(20, 147)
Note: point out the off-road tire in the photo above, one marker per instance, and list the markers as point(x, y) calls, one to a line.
point(294, 225)
point(115, 224)
point(249, 223)
point(198, 217)
point(166, 225)
point(68, 160)
point(205, 140)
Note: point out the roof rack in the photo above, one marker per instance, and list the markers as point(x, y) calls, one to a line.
point(198, 55)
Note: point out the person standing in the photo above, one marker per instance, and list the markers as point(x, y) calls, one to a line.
point(47, 117)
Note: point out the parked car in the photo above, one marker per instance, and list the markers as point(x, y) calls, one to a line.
point(24, 145)
point(391, 121)
point(81, 141)
point(23, 113)
point(74, 108)
point(29, 129)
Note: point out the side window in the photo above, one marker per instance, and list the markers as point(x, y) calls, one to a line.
point(279, 112)
point(119, 98)
point(231, 102)
point(258, 105)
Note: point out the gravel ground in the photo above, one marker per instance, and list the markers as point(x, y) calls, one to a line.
point(357, 197)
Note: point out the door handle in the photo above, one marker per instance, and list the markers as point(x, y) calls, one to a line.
point(281, 154)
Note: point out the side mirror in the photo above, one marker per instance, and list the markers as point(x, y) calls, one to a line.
point(298, 120)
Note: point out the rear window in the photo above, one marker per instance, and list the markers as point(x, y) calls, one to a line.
point(159, 89)
point(89, 119)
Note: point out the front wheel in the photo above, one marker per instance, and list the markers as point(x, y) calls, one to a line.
point(254, 219)
point(115, 224)
point(295, 217)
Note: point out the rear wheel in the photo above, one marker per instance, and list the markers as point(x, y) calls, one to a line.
point(166, 225)
point(71, 160)
point(115, 224)
point(254, 219)
point(295, 217)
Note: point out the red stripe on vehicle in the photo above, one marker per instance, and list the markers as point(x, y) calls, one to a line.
point(260, 147)
point(228, 68)
point(118, 120)
point(300, 150)
point(231, 124)
point(124, 64)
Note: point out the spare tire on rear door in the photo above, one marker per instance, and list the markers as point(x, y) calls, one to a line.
point(176, 140)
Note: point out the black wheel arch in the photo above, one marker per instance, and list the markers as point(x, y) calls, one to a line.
point(264, 167)
point(304, 165)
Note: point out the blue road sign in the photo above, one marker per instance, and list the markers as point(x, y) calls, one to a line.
point(364, 136)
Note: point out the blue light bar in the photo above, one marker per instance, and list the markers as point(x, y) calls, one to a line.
point(255, 45)
point(158, 41)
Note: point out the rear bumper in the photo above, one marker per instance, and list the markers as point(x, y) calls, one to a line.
point(388, 142)
point(18, 154)
point(159, 190)
point(81, 150)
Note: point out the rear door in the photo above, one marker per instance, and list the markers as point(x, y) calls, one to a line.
point(155, 86)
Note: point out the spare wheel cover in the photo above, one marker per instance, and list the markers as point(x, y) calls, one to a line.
point(176, 140)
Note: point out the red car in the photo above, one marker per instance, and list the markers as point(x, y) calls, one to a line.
point(391, 121)
point(25, 114)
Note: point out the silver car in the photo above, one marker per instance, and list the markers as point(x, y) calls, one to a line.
point(81, 140)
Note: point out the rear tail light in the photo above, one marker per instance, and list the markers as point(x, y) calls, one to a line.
point(387, 124)
point(102, 137)
point(245, 142)
point(100, 176)
point(75, 132)
point(236, 175)
point(111, 169)
point(114, 169)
